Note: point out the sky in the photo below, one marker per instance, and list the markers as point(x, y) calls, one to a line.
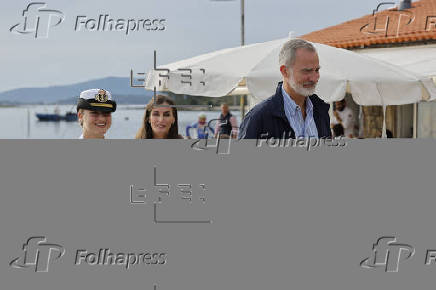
point(192, 27)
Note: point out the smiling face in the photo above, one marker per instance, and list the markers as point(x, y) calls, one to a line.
point(161, 120)
point(95, 124)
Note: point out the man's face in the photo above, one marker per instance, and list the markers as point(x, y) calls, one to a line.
point(224, 109)
point(95, 123)
point(304, 74)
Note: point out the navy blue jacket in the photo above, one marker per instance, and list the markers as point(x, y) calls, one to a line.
point(268, 119)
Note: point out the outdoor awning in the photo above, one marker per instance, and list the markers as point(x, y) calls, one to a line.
point(254, 69)
point(418, 59)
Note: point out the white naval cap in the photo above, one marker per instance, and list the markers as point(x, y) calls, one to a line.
point(96, 100)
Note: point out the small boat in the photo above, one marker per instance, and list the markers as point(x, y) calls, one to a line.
point(68, 117)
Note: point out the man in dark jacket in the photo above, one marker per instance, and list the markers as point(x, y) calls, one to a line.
point(294, 111)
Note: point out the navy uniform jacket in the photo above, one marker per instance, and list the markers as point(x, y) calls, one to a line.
point(268, 119)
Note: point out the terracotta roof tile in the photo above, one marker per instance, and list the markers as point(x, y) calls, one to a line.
point(385, 27)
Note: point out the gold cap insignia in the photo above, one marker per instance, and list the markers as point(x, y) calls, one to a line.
point(101, 96)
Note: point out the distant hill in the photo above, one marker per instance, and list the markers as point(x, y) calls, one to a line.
point(67, 94)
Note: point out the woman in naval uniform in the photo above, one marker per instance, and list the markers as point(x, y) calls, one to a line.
point(159, 122)
point(94, 112)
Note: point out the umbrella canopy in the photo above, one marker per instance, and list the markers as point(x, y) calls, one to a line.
point(418, 59)
point(371, 81)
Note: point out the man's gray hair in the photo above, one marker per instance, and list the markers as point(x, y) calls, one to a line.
point(289, 49)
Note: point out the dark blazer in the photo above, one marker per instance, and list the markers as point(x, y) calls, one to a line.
point(268, 119)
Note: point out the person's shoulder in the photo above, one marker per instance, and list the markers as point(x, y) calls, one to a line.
point(319, 103)
point(180, 137)
point(263, 108)
point(256, 118)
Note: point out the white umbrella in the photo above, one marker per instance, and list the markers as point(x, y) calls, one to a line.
point(418, 59)
point(371, 81)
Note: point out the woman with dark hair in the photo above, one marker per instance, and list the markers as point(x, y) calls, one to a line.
point(159, 122)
